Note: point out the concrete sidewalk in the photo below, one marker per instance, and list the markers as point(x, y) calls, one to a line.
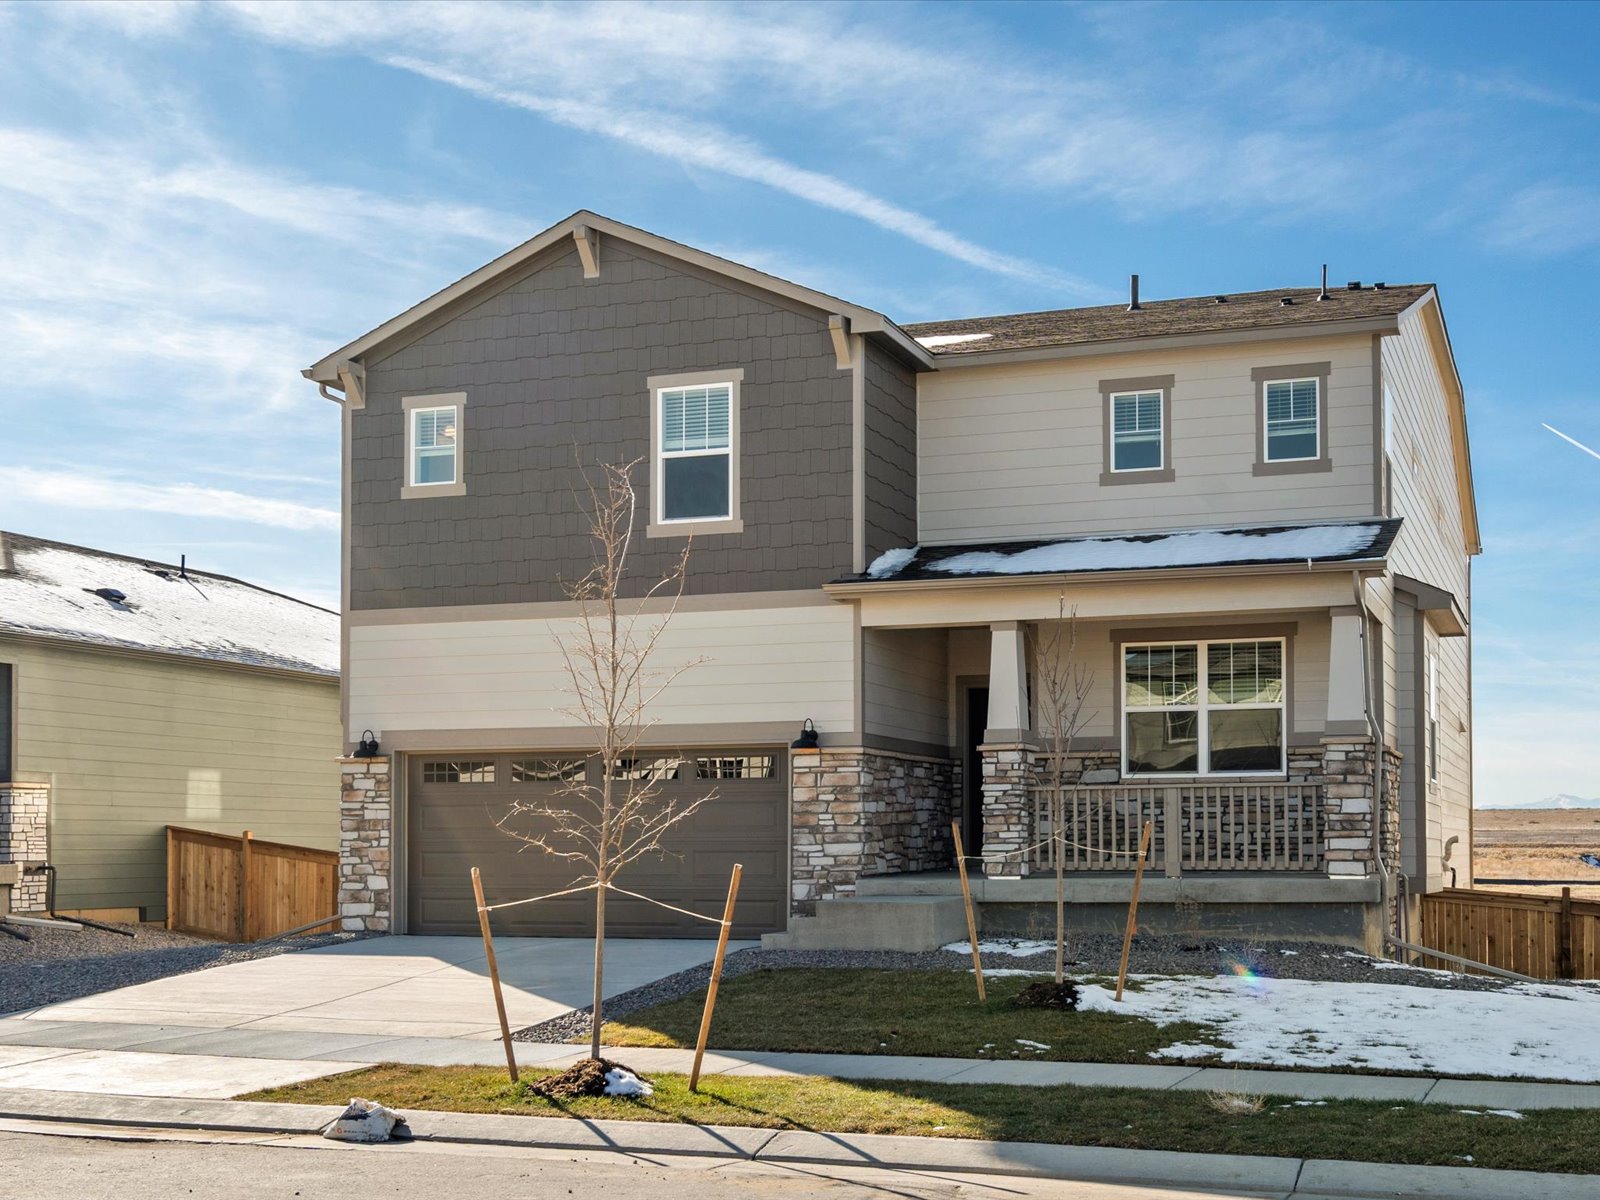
point(153, 1060)
point(1258, 1175)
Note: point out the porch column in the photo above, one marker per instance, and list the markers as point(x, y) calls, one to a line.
point(1347, 706)
point(1008, 753)
point(365, 841)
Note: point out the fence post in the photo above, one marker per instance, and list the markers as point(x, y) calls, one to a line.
point(1564, 967)
point(172, 875)
point(246, 925)
point(1172, 832)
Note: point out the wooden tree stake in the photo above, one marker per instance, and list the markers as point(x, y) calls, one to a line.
point(494, 974)
point(1133, 907)
point(716, 977)
point(966, 896)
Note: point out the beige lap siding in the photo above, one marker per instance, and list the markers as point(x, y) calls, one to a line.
point(757, 665)
point(1039, 428)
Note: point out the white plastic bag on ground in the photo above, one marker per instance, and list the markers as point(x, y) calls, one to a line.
point(367, 1121)
point(622, 1082)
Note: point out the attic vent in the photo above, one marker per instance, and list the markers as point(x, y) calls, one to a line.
point(160, 572)
point(1380, 286)
point(1353, 286)
point(1286, 301)
point(1222, 299)
point(109, 594)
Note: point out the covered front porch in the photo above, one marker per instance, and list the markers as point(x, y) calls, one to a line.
point(1236, 709)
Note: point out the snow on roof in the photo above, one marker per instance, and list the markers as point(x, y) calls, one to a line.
point(934, 341)
point(53, 590)
point(1143, 551)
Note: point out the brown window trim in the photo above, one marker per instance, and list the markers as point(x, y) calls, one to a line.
point(1261, 376)
point(1147, 383)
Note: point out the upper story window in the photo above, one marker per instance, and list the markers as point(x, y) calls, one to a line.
point(695, 472)
point(1204, 707)
point(1292, 418)
point(433, 445)
point(1292, 433)
point(1138, 430)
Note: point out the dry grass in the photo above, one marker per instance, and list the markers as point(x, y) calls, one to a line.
point(1537, 844)
point(1235, 1104)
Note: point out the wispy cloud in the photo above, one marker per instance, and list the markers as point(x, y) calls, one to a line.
point(69, 490)
point(1573, 440)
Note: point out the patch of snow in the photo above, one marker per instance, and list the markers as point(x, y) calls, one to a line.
point(1289, 953)
point(622, 1082)
point(1012, 947)
point(934, 341)
point(1032, 1045)
point(890, 561)
point(1200, 548)
point(1006, 972)
point(1511, 1113)
point(49, 593)
point(1379, 1026)
point(1183, 1049)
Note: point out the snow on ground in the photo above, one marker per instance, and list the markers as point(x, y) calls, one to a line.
point(622, 1082)
point(1527, 1030)
point(1013, 947)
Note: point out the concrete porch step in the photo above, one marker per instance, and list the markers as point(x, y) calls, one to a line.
point(923, 883)
point(911, 923)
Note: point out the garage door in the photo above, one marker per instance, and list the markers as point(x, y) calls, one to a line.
point(453, 802)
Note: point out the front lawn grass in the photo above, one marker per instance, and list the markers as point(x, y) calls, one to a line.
point(1131, 1118)
point(931, 1013)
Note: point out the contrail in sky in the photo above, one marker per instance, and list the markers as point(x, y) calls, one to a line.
point(1574, 441)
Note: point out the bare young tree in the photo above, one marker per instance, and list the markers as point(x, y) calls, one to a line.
point(1063, 684)
point(602, 826)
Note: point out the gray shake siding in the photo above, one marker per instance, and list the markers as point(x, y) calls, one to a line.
point(891, 453)
point(554, 366)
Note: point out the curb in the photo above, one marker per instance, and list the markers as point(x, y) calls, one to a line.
point(1093, 1164)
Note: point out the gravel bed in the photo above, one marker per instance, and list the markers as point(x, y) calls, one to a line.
point(1094, 954)
point(59, 964)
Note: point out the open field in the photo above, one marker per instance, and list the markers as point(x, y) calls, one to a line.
point(1537, 843)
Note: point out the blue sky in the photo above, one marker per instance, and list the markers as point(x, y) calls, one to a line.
point(198, 200)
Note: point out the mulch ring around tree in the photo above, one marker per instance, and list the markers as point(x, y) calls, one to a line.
point(586, 1078)
point(1047, 993)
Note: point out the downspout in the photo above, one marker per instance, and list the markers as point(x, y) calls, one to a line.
point(327, 395)
point(1380, 771)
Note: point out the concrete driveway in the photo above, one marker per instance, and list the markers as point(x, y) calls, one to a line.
point(434, 987)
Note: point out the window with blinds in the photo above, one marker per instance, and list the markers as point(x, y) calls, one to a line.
point(696, 467)
point(1292, 425)
point(434, 445)
point(1136, 431)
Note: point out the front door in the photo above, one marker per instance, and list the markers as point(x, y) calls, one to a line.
point(977, 705)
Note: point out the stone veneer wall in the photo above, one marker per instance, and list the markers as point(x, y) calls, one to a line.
point(25, 839)
point(366, 828)
point(866, 812)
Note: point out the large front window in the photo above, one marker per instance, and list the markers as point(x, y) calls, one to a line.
point(1203, 708)
point(696, 467)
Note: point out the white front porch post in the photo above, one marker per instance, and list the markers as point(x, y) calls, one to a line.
point(1007, 754)
point(1349, 761)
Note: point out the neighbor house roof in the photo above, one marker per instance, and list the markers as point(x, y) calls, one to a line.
point(74, 594)
point(1324, 543)
point(1282, 307)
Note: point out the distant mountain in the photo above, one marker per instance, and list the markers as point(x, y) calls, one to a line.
point(1564, 800)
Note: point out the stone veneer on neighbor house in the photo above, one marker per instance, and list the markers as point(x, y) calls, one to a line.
point(366, 809)
point(25, 841)
point(866, 812)
point(1344, 766)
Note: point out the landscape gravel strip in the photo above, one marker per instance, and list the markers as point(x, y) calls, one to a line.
point(60, 964)
point(1091, 954)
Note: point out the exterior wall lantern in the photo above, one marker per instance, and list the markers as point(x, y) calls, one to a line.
point(368, 747)
point(807, 739)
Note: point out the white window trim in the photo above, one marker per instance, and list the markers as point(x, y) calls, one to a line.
point(1203, 710)
point(410, 406)
point(1161, 429)
point(659, 526)
point(1266, 421)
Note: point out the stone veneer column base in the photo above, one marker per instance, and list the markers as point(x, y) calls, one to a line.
point(1010, 771)
point(860, 811)
point(366, 835)
point(25, 840)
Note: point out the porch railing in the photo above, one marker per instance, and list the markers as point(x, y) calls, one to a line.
point(1196, 827)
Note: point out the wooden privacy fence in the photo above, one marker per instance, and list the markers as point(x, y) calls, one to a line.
point(241, 890)
point(1547, 937)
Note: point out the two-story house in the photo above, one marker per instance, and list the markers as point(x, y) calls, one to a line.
point(1256, 508)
